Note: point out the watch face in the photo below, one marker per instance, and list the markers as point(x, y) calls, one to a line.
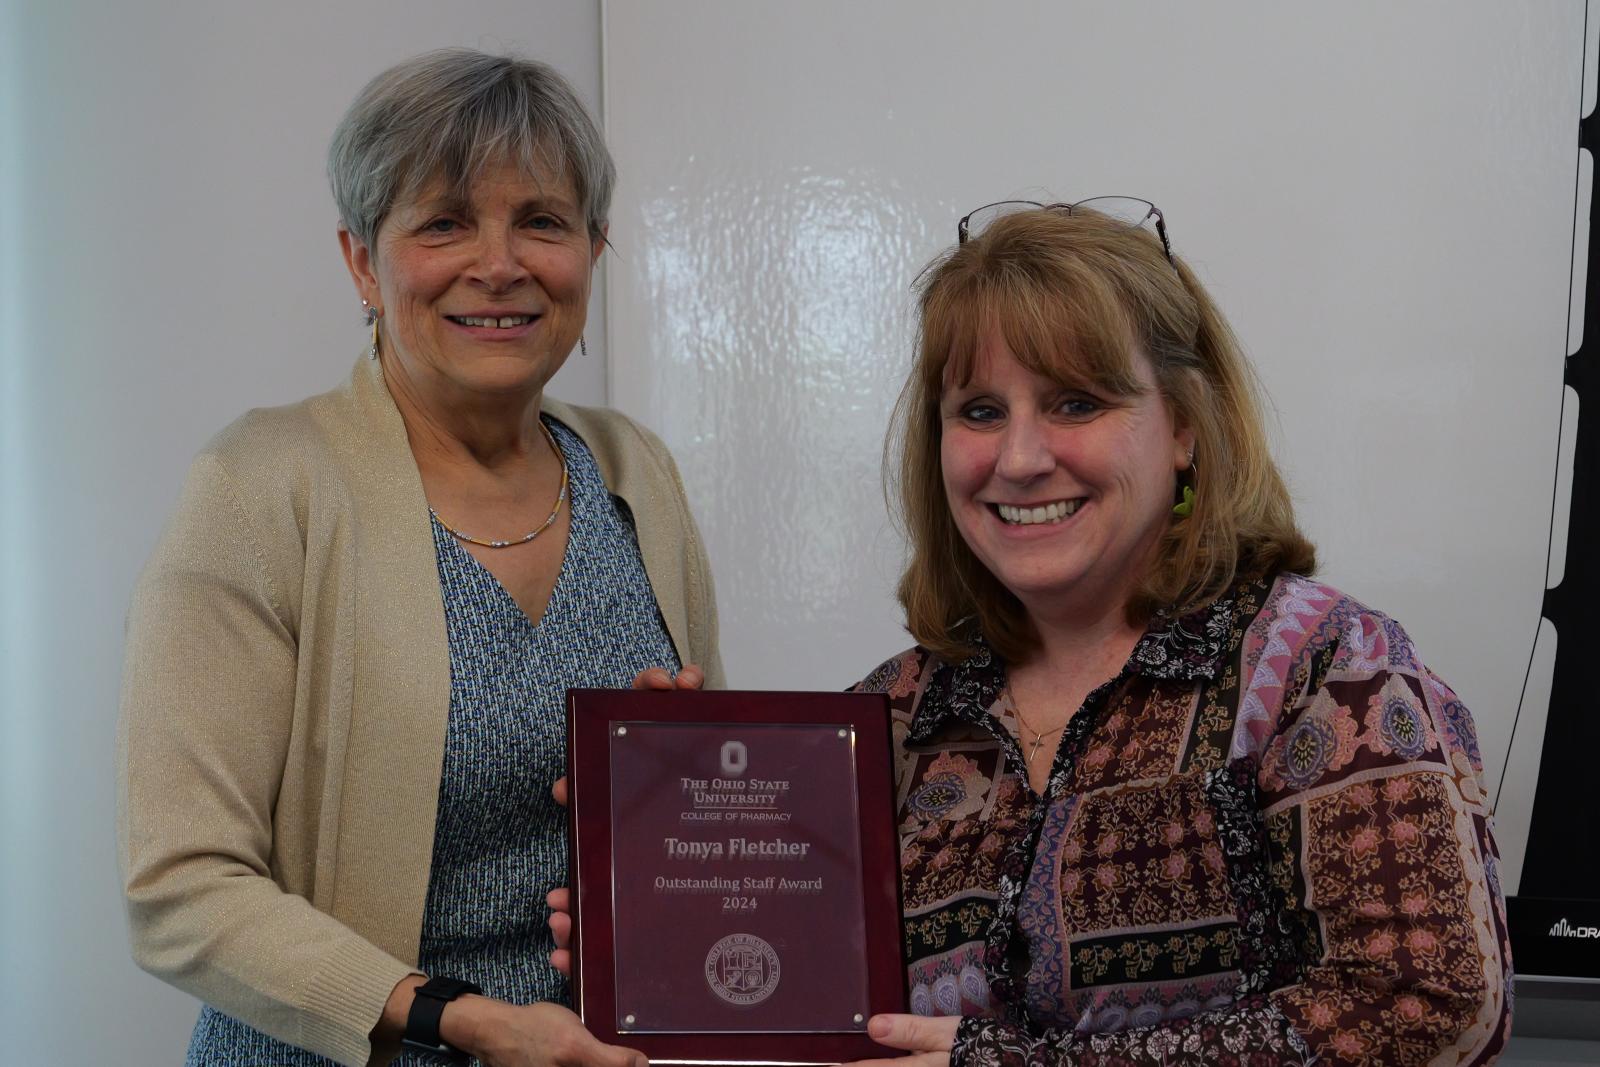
point(423, 1046)
point(440, 1051)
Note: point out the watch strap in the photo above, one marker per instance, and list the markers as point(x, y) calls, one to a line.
point(427, 1008)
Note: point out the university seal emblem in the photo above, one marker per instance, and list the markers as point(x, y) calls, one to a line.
point(742, 969)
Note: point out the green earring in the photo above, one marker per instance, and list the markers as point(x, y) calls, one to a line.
point(1185, 507)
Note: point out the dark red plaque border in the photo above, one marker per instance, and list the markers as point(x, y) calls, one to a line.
point(590, 713)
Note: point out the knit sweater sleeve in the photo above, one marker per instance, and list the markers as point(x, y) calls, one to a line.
point(208, 705)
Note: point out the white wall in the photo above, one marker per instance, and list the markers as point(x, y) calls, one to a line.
point(169, 261)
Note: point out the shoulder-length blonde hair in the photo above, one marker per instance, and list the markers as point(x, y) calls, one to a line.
point(1078, 298)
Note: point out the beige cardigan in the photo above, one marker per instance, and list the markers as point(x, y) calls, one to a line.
point(284, 703)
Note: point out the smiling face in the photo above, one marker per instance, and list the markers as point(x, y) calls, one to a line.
point(1061, 493)
point(483, 294)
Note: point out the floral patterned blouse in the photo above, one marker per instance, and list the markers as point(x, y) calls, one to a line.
point(1265, 841)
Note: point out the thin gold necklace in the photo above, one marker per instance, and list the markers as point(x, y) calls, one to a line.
point(1038, 738)
point(561, 495)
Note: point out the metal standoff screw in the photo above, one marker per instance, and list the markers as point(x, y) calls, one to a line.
point(843, 732)
point(859, 1018)
point(629, 1020)
point(622, 731)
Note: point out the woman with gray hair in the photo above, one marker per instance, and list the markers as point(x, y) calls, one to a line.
point(347, 658)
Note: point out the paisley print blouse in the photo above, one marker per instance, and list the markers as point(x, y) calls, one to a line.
point(1263, 842)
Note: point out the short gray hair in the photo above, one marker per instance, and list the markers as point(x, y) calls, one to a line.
point(450, 113)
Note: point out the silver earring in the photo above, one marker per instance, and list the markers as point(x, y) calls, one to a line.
point(372, 321)
point(583, 346)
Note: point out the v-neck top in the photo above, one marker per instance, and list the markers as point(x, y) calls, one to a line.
point(500, 843)
point(500, 839)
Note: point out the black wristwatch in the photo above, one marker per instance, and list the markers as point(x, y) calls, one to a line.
point(422, 1023)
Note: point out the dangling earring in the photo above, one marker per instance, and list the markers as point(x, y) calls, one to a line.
point(1185, 507)
point(372, 320)
point(583, 346)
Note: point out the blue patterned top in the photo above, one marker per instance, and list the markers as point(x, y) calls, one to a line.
point(500, 841)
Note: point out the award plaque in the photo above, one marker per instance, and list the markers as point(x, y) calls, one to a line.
point(735, 874)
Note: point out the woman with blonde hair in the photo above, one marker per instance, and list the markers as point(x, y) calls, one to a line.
point(1162, 796)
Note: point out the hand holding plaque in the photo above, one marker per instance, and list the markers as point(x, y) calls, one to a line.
point(735, 890)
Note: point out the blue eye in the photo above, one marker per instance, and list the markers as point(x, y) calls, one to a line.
point(440, 225)
point(546, 222)
point(1078, 406)
point(981, 412)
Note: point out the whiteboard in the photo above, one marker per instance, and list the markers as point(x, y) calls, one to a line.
point(1380, 197)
